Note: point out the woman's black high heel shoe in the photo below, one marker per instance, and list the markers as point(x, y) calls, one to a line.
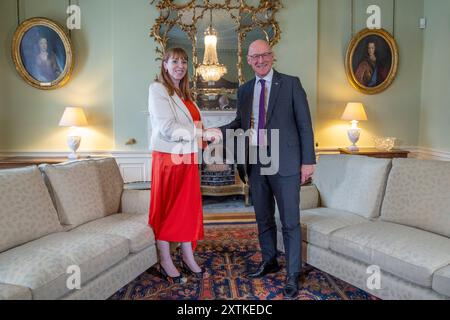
point(187, 270)
point(174, 280)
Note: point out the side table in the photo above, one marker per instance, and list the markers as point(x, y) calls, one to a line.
point(375, 153)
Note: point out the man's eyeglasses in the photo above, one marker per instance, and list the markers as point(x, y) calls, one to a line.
point(265, 56)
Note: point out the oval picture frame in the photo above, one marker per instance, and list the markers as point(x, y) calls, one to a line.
point(367, 74)
point(42, 53)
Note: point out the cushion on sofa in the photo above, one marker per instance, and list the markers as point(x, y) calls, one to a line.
point(418, 195)
point(318, 224)
point(111, 182)
point(10, 292)
point(84, 190)
point(26, 209)
point(406, 252)
point(441, 281)
point(135, 201)
point(309, 197)
point(352, 183)
point(42, 265)
point(140, 236)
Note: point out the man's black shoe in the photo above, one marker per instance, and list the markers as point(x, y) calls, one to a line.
point(264, 269)
point(291, 289)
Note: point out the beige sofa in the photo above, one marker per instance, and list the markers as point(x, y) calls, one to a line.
point(75, 215)
point(363, 212)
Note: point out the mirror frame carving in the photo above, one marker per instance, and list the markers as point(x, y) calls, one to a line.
point(267, 8)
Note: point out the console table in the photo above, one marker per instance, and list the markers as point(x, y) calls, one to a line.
point(375, 153)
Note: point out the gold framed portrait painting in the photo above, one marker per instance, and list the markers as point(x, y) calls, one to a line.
point(372, 61)
point(42, 53)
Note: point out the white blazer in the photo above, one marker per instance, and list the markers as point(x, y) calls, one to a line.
point(173, 129)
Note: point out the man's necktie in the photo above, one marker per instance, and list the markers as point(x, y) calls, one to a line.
point(262, 112)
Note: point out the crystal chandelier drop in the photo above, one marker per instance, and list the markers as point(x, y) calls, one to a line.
point(211, 69)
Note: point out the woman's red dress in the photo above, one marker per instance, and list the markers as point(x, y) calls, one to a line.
point(176, 211)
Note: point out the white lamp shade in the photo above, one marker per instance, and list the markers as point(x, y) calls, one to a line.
point(354, 112)
point(73, 117)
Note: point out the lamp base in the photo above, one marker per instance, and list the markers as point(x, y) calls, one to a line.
point(353, 136)
point(353, 148)
point(73, 156)
point(74, 143)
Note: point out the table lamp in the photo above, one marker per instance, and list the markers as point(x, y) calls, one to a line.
point(354, 112)
point(73, 118)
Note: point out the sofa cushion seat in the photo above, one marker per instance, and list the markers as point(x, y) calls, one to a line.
point(11, 292)
point(139, 235)
point(42, 265)
point(406, 252)
point(441, 281)
point(318, 224)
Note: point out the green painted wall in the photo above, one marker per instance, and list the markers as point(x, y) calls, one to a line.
point(297, 53)
point(435, 112)
point(134, 69)
point(115, 62)
point(394, 112)
point(33, 115)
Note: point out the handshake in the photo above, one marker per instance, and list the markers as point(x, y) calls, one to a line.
point(213, 135)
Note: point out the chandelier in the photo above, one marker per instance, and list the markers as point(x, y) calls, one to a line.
point(211, 69)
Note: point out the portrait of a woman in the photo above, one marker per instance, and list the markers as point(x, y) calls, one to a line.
point(43, 54)
point(46, 68)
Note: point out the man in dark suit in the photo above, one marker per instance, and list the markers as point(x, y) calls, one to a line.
point(275, 102)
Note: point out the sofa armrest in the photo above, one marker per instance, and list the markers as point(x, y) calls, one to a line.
point(14, 292)
point(309, 197)
point(135, 201)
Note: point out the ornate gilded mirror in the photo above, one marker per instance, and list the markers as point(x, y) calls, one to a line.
point(216, 35)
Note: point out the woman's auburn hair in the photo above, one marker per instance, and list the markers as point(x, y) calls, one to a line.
point(184, 91)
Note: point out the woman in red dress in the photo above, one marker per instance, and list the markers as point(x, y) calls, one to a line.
point(176, 213)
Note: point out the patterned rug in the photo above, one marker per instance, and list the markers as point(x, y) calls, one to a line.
point(228, 251)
